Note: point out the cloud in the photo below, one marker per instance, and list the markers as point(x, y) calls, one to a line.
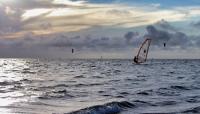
point(55, 16)
point(60, 45)
point(198, 43)
point(88, 42)
point(9, 21)
point(28, 4)
point(130, 36)
point(196, 24)
point(175, 39)
point(43, 29)
point(165, 25)
point(157, 35)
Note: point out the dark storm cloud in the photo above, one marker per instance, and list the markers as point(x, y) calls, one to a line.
point(56, 45)
point(181, 39)
point(157, 35)
point(172, 39)
point(63, 41)
point(129, 39)
point(198, 43)
point(130, 36)
point(196, 40)
point(196, 24)
point(165, 25)
point(89, 42)
point(30, 46)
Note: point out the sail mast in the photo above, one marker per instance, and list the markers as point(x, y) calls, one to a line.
point(148, 48)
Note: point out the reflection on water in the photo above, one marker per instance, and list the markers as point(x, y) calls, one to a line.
point(62, 86)
point(9, 77)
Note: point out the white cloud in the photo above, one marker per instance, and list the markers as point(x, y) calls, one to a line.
point(34, 12)
point(69, 2)
point(111, 15)
point(67, 15)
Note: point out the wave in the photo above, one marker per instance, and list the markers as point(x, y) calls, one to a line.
point(19, 82)
point(56, 94)
point(80, 76)
point(71, 85)
point(179, 87)
point(109, 108)
point(6, 83)
point(193, 110)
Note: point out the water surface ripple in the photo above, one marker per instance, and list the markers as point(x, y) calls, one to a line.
point(48, 86)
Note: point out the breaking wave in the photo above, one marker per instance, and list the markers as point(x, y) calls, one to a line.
point(109, 108)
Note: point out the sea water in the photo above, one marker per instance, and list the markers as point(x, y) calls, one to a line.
point(57, 86)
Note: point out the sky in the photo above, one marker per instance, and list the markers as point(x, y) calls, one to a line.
point(95, 28)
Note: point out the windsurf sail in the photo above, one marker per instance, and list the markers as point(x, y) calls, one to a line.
point(143, 52)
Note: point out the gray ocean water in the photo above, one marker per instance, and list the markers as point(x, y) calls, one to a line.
point(32, 86)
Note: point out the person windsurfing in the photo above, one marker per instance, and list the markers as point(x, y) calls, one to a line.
point(141, 56)
point(135, 59)
point(72, 50)
point(164, 44)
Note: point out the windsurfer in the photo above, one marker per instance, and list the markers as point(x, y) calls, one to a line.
point(135, 59)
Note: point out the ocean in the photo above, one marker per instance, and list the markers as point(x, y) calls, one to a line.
point(58, 86)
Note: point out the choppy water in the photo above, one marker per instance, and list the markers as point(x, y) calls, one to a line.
point(33, 86)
